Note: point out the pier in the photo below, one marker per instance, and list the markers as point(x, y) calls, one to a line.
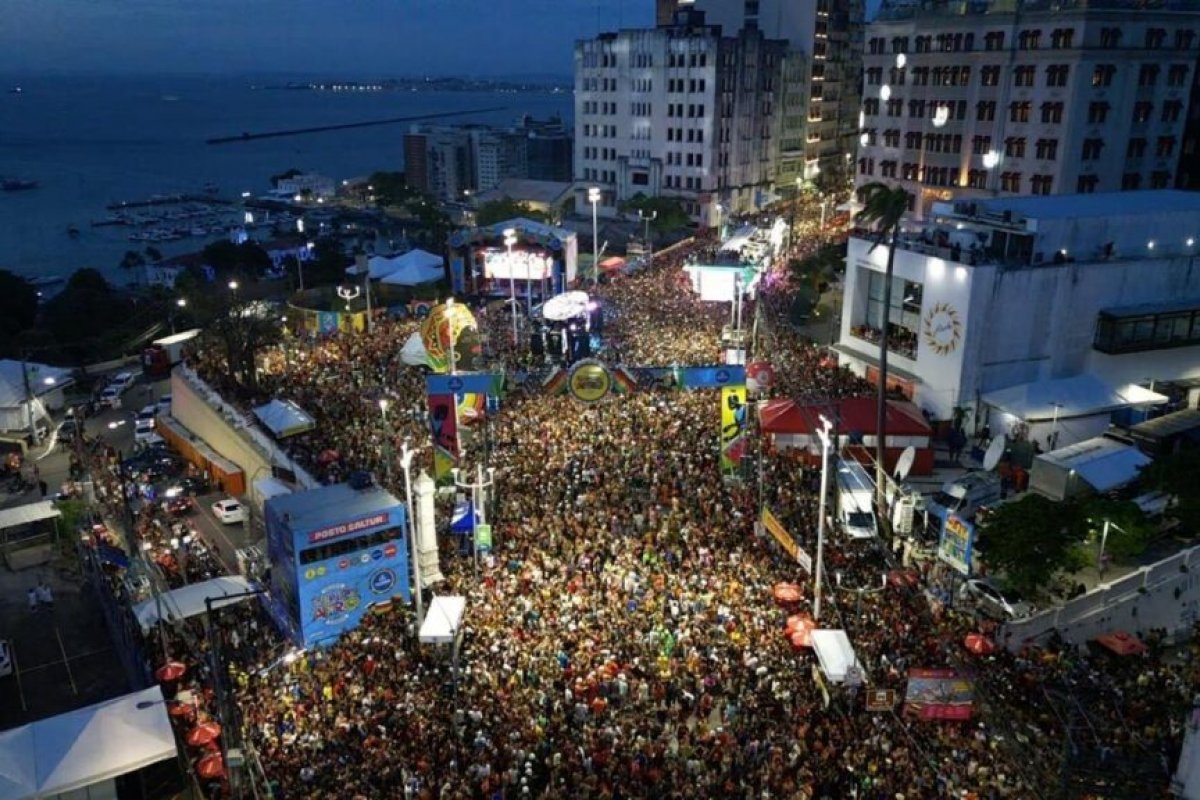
point(247, 137)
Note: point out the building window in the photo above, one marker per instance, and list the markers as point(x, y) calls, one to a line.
point(887, 169)
point(1041, 184)
point(1131, 181)
point(1136, 148)
point(1177, 75)
point(1097, 113)
point(1019, 111)
point(920, 76)
point(1052, 113)
point(1155, 38)
point(900, 44)
point(1171, 111)
point(1086, 184)
point(871, 107)
point(989, 75)
point(1102, 75)
point(1014, 147)
point(1142, 111)
point(866, 166)
point(1092, 149)
point(916, 108)
point(981, 145)
point(1024, 75)
point(1184, 39)
point(1165, 147)
point(891, 138)
point(1029, 39)
point(1010, 182)
point(977, 178)
point(874, 76)
point(1110, 38)
point(993, 40)
point(895, 107)
point(1061, 38)
point(1047, 149)
point(1160, 179)
point(1148, 75)
point(1056, 74)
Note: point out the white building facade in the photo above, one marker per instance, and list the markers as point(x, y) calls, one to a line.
point(1000, 293)
point(1016, 98)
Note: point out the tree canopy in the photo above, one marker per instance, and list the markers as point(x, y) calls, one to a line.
point(505, 208)
point(88, 313)
point(18, 303)
point(246, 261)
point(1031, 539)
point(1175, 474)
point(668, 211)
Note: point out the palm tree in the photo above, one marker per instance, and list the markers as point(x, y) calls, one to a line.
point(883, 208)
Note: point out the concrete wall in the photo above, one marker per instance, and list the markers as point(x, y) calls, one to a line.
point(1163, 595)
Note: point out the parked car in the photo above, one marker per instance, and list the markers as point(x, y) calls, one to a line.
point(143, 429)
point(993, 602)
point(179, 505)
point(966, 495)
point(229, 511)
point(119, 384)
point(193, 485)
point(6, 660)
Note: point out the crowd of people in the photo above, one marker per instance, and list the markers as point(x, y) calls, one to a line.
point(624, 639)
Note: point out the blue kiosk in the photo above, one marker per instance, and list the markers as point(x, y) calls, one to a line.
point(335, 551)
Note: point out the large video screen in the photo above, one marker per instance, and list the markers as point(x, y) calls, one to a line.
point(521, 265)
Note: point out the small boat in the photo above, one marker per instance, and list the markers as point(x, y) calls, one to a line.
point(15, 90)
point(17, 185)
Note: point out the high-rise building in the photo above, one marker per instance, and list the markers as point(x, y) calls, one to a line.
point(828, 33)
point(1016, 97)
point(684, 111)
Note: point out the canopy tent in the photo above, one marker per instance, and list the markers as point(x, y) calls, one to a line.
point(27, 514)
point(566, 306)
point(443, 620)
point(413, 275)
point(1099, 464)
point(414, 353)
point(40, 378)
point(1064, 398)
point(284, 418)
point(852, 414)
point(1122, 643)
point(834, 653)
point(188, 601)
point(88, 746)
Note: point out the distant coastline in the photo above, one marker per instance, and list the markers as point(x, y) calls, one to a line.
point(427, 84)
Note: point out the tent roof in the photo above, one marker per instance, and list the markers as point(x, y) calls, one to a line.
point(30, 512)
point(70, 751)
point(834, 652)
point(1077, 396)
point(849, 414)
point(284, 418)
point(443, 619)
point(1104, 463)
point(1122, 643)
point(12, 380)
point(188, 601)
point(414, 273)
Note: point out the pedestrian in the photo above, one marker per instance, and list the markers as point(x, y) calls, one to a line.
point(44, 595)
point(43, 487)
point(32, 594)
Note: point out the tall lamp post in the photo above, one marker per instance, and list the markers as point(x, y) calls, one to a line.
point(1104, 543)
point(181, 304)
point(406, 457)
point(594, 199)
point(647, 219)
point(478, 500)
point(823, 435)
point(510, 238)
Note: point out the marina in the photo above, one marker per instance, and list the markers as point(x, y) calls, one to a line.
point(169, 218)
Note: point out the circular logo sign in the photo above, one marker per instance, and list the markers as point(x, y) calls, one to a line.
point(455, 384)
point(376, 554)
point(382, 581)
point(589, 381)
point(389, 551)
point(344, 564)
point(722, 376)
point(942, 329)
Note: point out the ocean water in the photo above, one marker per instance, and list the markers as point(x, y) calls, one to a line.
point(90, 142)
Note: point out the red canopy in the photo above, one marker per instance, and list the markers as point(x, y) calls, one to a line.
point(979, 644)
point(211, 767)
point(787, 593)
point(1123, 643)
point(170, 671)
point(203, 734)
point(851, 414)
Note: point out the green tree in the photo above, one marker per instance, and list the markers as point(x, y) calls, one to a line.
point(391, 189)
point(1129, 533)
point(153, 254)
point(132, 260)
point(328, 264)
point(87, 313)
point(883, 208)
point(505, 208)
point(245, 261)
point(668, 212)
point(1175, 474)
point(1032, 538)
point(18, 303)
point(238, 329)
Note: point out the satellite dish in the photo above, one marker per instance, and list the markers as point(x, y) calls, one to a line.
point(992, 457)
point(905, 462)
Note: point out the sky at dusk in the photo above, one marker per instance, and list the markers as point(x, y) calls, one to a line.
point(342, 37)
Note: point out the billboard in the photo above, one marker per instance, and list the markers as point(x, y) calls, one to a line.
point(521, 265)
point(956, 544)
point(939, 694)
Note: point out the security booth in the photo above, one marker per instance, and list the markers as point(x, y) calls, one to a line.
point(335, 551)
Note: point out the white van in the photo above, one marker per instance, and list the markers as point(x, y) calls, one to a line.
point(856, 501)
point(966, 495)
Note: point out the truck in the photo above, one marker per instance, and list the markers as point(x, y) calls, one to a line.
point(966, 495)
point(855, 501)
point(165, 353)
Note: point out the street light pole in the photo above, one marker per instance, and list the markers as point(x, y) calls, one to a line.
point(594, 199)
point(647, 218)
point(406, 457)
point(823, 435)
point(1104, 543)
point(478, 500)
point(510, 238)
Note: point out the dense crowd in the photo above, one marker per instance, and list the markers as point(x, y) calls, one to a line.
point(623, 640)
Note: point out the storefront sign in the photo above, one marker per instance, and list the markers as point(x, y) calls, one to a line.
point(346, 528)
point(881, 699)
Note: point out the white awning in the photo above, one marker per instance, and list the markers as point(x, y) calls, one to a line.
point(63, 754)
point(284, 418)
point(188, 601)
point(834, 653)
point(27, 514)
point(443, 620)
point(1104, 463)
point(1064, 398)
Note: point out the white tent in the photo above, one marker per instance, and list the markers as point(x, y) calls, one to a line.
point(413, 353)
point(1098, 464)
point(284, 418)
point(89, 746)
point(443, 620)
point(412, 275)
point(1064, 398)
point(834, 653)
point(27, 514)
point(188, 601)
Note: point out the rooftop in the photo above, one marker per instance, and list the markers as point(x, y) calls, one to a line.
point(1099, 204)
point(893, 10)
point(328, 505)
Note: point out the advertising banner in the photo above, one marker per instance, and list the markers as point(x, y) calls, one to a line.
point(733, 425)
point(774, 527)
point(939, 694)
point(491, 383)
point(957, 541)
point(443, 427)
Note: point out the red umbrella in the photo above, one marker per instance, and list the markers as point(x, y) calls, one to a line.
point(170, 672)
point(211, 767)
point(203, 734)
point(801, 638)
point(181, 710)
point(903, 577)
point(979, 644)
point(327, 456)
point(787, 593)
point(1123, 643)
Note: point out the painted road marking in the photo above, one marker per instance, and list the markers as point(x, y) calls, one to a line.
point(66, 661)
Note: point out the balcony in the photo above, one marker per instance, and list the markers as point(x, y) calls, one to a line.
point(901, 341)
